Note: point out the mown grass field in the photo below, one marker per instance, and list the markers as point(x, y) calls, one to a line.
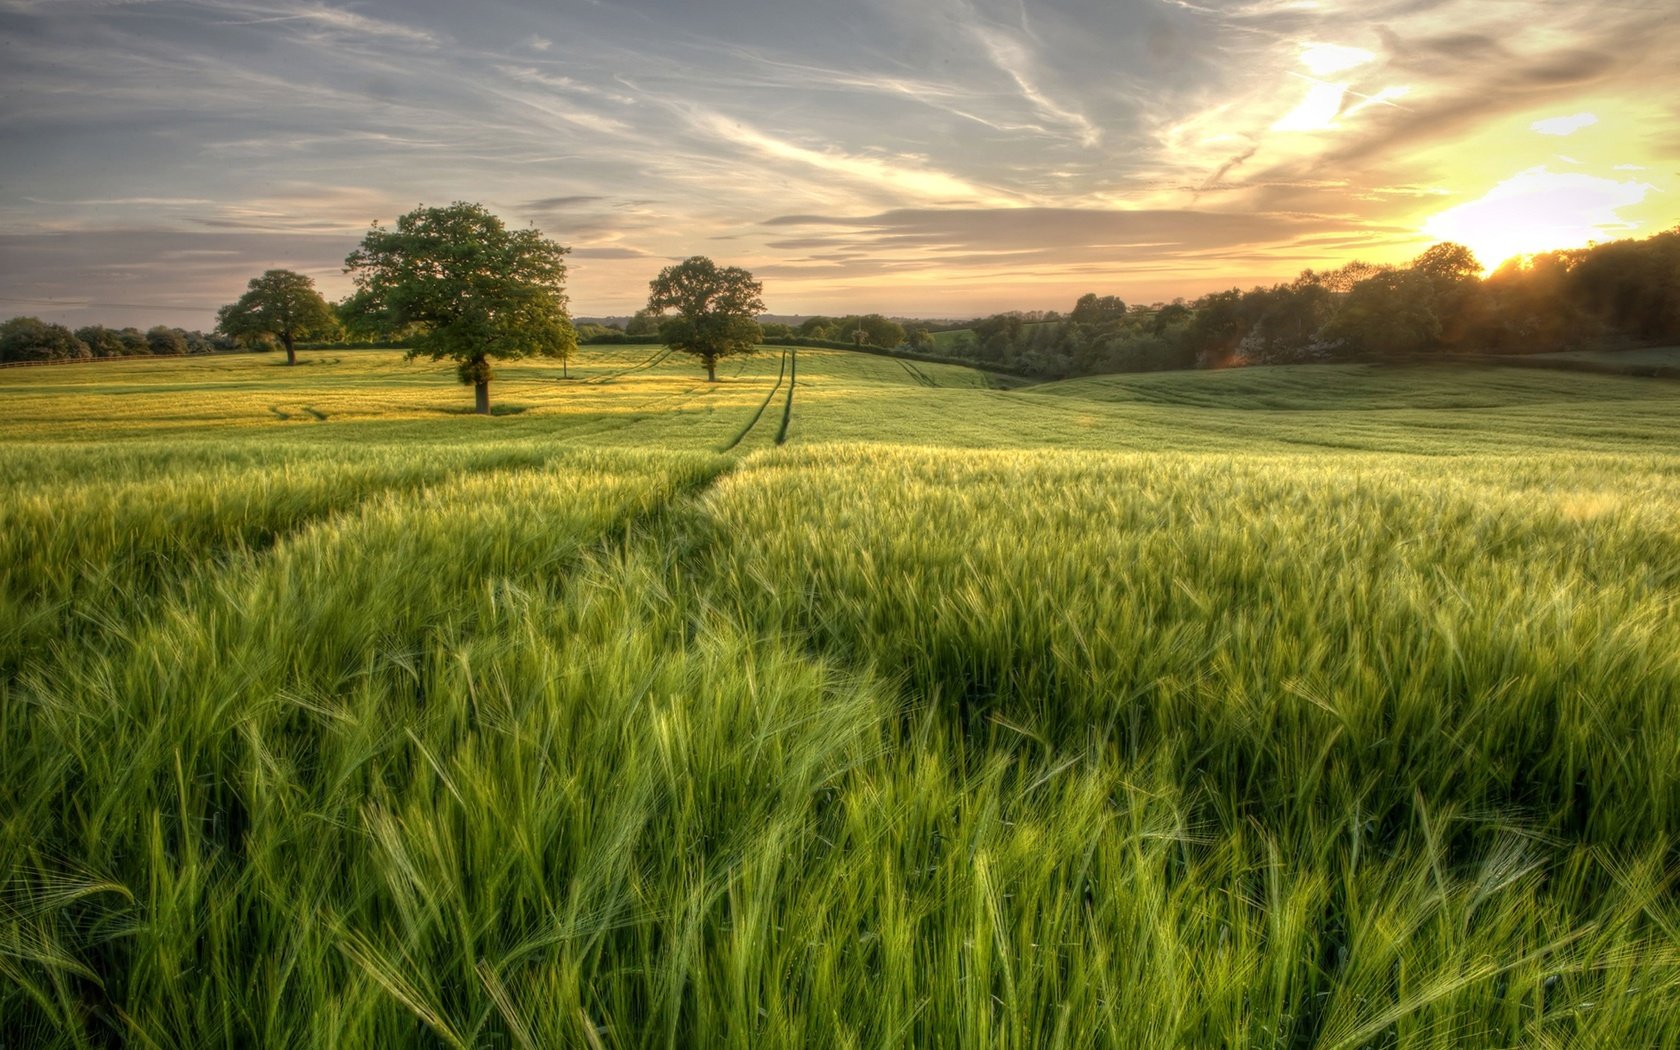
point(1668, 356)
point(847, 702)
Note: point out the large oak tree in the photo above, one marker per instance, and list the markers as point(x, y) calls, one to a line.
point(467, 286)
point(282, 304)
point(717, 310)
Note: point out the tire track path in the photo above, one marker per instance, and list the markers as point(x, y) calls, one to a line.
point(787, 408)
point(752, 421)
point(659, 355)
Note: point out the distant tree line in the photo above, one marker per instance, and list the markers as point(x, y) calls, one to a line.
point(864, 330)
point(32, 339)
point(1620, 294)
point(853, 330)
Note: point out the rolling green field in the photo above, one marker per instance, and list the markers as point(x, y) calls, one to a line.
point(1666, 356)
point(846, 702)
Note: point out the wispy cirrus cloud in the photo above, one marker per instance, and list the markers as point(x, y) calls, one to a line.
point(1564, 126)
point(321, 16)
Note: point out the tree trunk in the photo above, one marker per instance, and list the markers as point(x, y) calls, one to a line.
point(481, 396)
point(711, 370)
point(291, 355)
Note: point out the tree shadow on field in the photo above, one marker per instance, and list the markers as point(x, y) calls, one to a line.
point(309, 410)
point(495, 410)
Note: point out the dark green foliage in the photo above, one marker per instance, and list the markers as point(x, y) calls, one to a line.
point(1220, 322)
point(877, 330)
point(590, 332)
point(1390, 315)
point(1094, 309)
point(467, 287)
point(1633, 286)
point(134, 342)
point(101, 341)
point(645, 322)
point(166, 341)
point(31, 339)
point(869, 330)
point(818, 327)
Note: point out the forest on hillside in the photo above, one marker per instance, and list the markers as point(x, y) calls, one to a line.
point(1610, 296)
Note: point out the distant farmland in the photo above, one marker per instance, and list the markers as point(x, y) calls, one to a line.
point(849, 701)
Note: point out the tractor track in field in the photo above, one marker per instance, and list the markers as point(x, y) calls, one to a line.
point(916, 374)
point(664, 402)
point(787, 407)
point(741, 435)
point(659, 355)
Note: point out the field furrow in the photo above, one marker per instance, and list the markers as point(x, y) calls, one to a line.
point(758, 413)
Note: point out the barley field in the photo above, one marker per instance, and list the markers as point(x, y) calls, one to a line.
point(845, 702)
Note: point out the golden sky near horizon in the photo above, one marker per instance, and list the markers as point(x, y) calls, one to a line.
point(946, 158)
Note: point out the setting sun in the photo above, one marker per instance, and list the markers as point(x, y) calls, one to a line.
point(1539, 210)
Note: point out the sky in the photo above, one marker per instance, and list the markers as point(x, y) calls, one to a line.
point(934, 158)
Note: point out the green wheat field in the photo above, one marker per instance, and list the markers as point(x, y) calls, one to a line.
point(847, 702)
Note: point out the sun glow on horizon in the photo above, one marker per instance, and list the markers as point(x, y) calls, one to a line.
point(1539, 210)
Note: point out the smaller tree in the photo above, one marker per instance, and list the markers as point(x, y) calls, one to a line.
point(717, 310)
point(282, 304)
point(468, 288)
